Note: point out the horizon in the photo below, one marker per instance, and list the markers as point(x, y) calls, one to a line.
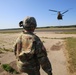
point(42, 27)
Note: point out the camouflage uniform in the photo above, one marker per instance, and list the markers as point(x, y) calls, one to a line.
point(39, 57)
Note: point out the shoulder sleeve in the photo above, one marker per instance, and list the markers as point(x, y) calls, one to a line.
point(17, 40)
point(40, 48)
point(41, 55)
point(15, 44)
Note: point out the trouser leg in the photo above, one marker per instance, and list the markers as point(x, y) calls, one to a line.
point(34, 72)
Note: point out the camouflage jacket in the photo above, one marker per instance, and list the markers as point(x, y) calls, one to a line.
point(40, 52)
point(40, 49)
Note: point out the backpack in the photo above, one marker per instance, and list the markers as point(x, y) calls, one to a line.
point(27, 43)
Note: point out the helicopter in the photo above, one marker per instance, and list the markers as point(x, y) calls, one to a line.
point(60, 15)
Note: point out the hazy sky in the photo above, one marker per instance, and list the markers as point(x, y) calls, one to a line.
point(13, 11)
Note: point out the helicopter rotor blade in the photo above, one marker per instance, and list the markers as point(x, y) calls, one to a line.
point(53, 10)
point(65, 11)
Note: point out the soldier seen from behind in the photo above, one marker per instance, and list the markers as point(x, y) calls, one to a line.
point(30, 51)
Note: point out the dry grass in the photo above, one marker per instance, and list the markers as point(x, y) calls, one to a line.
point(71, 47)
point(71, 32)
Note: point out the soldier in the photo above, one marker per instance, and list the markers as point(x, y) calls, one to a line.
point(30, 51)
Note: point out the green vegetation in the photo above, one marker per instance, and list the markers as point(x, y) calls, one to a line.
point(43, 41)
point(9, 69)
point(65, 26)
point(66, 29)
point(71, 47)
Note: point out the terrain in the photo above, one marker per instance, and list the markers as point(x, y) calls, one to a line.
point(55, 46)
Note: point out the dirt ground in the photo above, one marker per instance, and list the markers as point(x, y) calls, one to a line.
point(54, 44)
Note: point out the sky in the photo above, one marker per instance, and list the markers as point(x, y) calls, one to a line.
point(13, 11)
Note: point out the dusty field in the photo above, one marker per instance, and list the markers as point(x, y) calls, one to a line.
point(54, 44)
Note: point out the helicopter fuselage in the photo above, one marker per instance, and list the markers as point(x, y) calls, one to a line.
point(59, 17)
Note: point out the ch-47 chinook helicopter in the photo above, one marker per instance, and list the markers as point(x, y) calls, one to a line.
point(60, 15)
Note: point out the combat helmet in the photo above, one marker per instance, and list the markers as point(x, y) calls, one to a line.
point(28, 22)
